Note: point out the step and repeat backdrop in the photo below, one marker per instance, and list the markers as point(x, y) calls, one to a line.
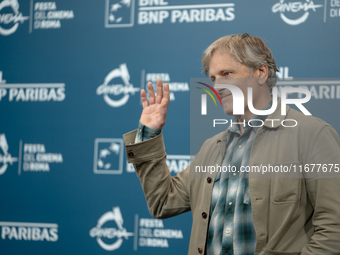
point(70, 77)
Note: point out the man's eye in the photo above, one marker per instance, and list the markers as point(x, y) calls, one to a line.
point(213, 79)
point(226, 73)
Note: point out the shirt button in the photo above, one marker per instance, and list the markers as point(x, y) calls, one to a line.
point(208, 180)
point(234, 174)
point(204, 215)
point(230, 203)
point(131, 154)
point(200, 250)
point(240, 146)
point(228, 231)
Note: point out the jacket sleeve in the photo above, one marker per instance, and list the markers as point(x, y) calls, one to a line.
point(324, 193)
point(166, 196)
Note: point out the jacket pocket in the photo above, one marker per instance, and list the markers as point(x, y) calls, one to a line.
point(270, 252)
point(285, 190)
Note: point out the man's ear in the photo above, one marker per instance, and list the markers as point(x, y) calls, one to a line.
point(262, 74)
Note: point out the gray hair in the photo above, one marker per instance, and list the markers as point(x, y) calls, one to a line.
point(246, 49)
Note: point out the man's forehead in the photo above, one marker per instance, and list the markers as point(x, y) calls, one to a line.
point(220, 61)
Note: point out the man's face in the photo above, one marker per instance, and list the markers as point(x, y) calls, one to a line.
point(224, 69)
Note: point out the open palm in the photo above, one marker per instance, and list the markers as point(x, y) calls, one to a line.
point(155, 110)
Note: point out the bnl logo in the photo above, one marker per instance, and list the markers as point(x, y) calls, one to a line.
point(108, 156)
point(238, 99)
point(119, 13)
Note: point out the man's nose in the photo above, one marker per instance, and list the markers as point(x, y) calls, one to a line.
point(219, 80)
point(218, 90)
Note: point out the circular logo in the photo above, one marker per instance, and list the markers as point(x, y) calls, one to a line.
point(7, 18)
point(125, 89)
point(294, 7)
point(110, 233)
point(6, 157)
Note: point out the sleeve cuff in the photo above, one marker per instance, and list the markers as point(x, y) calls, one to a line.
point(144, 133)
point(145, 150)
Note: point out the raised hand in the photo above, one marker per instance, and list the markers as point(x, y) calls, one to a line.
point(154, 111)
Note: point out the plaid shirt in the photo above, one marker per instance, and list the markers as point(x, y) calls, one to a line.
point(231, 229)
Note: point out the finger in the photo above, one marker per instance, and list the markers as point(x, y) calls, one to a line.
point(143, 98)
point(159, 91)
point(164, 103)
point(151, 93)
point(166, 96)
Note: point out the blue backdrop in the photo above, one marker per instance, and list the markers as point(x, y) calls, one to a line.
point(70, 76)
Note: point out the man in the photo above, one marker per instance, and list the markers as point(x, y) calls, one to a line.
point(234, 213)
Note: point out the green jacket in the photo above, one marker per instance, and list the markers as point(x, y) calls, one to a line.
point(295, 215)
